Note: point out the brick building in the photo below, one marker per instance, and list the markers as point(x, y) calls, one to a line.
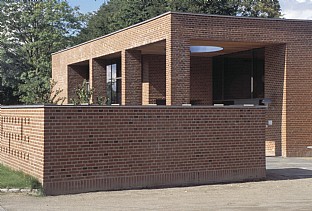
point(220, 65)
point(269, 58)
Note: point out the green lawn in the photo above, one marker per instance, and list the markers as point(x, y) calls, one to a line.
point(16, 179)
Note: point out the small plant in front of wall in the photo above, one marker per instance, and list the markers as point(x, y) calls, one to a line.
point(52, 96)
point(83, 94)
point(101, 100)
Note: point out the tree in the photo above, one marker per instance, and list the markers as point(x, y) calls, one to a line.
point(260, 8)
point(117, 14)
point(218, 7)
point(30, 30)
point(10, 66)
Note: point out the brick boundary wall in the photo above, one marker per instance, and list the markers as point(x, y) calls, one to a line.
point(96, 148)
point(22, 140)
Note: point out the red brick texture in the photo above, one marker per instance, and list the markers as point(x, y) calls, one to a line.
point(131, 73)
point(274, 89)
point(294, 44)
point(298, 134)
point(76, 75)
point(201, 80)
point(270, 148)
point(178, 68)
point(22, 140)
point(109, 148)
point(98, 78)
point(150, 32)
point(155, 69)
point(288, 63)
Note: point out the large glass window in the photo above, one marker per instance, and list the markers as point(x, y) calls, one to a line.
point(113, 83)
point(238, 76)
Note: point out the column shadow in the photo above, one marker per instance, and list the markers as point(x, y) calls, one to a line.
point(288, 174)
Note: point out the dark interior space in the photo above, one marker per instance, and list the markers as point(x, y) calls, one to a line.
point(238, 77)
point(77, 73)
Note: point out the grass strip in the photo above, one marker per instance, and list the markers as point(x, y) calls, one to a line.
point(17, 179)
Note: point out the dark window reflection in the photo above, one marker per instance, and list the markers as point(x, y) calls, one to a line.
point(238, 76)
point(113, 83)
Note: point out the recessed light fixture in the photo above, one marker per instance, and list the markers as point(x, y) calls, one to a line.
point(205, 49)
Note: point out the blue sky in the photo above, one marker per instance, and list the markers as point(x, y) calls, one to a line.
point(86, 5)
point(292, 9)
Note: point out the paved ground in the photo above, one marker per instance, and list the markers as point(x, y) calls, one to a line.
point(289, 187)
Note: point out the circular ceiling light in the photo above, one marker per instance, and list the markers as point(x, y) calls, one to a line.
point(205, 49)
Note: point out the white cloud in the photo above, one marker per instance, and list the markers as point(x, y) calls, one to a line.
point(301, 1)
point(296, 9)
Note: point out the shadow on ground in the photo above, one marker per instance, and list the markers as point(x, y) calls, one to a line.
point(288, 174)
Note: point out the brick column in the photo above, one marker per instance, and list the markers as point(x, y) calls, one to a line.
point(145, 83)
point(297, 130)
point(98, 78)
point(275, 90)
point(201, 80)
point(131, 72)
point(177, 72)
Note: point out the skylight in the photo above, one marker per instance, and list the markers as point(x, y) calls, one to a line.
point(205, 49)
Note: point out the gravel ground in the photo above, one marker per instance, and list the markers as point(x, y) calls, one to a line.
point(289, 187)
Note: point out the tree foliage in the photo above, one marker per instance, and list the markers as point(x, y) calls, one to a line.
point(30, 30)
point(260, 8)
point(117, 14)
point(217, 7)
point(83, 94)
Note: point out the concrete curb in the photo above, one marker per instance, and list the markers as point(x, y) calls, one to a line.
point(19, 190)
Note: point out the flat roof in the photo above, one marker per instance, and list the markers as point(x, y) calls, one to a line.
point(180, 13)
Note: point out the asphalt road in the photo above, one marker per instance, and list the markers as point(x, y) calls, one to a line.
point(289, 187)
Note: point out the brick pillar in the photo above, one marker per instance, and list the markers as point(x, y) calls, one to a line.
point(275, 90)
point(145, 83)
point(177, 72)
point(98, 78)
point(297, 104)
point(131, 72)
point(201, 80)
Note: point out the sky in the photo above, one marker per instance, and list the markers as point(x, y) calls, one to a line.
point(291, 9)
point(297, 9)
point(86, 5)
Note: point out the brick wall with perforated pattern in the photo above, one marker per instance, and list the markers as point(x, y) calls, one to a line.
point(22, 140)
point(79, 149)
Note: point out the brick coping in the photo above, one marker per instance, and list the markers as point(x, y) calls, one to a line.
point(137, 107)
